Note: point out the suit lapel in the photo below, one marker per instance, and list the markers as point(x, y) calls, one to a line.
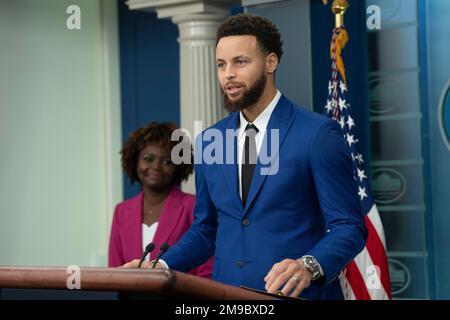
point(133, 226)
point(168, 220)
point(280, 119)
point(230, 170)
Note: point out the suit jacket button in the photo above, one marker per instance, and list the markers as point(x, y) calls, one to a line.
point(239, 264)
point(245, 222)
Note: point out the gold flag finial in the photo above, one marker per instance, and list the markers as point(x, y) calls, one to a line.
point(339, 7)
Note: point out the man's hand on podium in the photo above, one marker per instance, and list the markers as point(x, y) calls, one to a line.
point(288, 277)
point(145, 265)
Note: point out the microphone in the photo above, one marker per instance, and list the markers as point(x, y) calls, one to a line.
point(148, 249)
point(164, 247)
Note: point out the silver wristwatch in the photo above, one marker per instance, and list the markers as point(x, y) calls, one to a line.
point(312, 266)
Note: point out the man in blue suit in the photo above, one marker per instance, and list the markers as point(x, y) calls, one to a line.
point(293, 226)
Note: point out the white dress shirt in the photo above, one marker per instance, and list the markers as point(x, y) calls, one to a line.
point(261, 122)
point(148, 233)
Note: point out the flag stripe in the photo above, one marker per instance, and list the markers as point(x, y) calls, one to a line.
point(371, 277)
point(346, 287)
point(356, 281)
point(374, 217)
point(377, 253)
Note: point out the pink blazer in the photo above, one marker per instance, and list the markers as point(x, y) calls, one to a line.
point(125, 243)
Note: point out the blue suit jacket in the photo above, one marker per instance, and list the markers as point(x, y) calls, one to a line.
point(310, 206)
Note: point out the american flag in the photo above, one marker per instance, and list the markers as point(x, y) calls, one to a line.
point(367, 276)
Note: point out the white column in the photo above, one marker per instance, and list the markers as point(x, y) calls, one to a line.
point(200, 96)
point(197, 20)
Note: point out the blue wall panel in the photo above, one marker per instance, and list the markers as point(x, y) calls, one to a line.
point(149, 66)
point(436, 41)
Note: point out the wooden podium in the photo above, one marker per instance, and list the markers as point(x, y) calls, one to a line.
point(128, 283)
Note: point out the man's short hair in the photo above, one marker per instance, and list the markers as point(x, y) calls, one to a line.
point(267, 34)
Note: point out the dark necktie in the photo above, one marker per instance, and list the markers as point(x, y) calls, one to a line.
point(248, 159)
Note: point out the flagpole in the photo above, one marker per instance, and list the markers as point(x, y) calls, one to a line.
point(338, 7)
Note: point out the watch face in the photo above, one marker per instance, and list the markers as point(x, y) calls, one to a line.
point(311, 262)
point(312, 266)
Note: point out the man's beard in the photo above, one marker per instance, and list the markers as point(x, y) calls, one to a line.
point(249, 98)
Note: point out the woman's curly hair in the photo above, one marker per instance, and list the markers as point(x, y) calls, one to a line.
point(267, 34)
point(158, 134)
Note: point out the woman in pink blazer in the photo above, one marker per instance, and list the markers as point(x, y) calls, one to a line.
point(161, 212)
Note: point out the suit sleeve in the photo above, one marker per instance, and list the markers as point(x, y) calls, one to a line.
point(198, 244)
point(336, 188)
point(115, 254)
